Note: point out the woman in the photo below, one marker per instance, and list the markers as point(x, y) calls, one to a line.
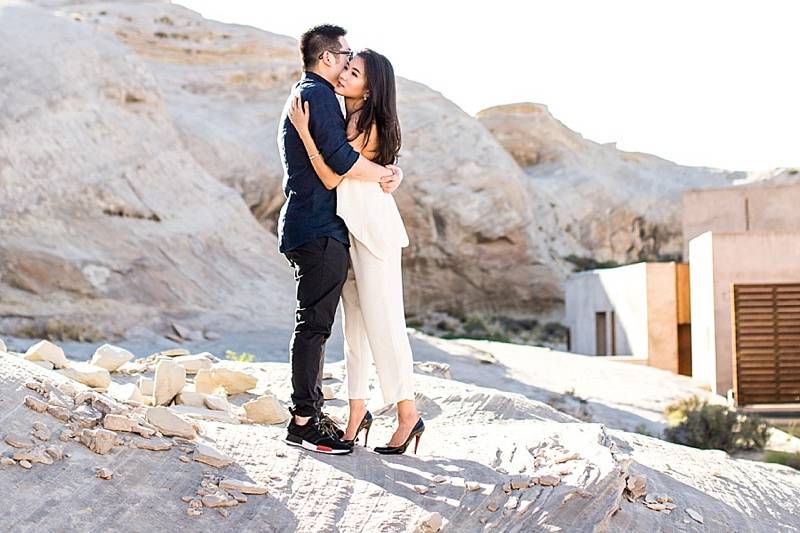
point(374, 317)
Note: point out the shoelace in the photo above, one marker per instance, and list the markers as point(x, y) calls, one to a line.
point(328, 426)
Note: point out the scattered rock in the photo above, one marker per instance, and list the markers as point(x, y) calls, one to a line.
point(549, 480)
point(512, 503)
point(636, 486)
point(7, 461)
point(87, 416)
point(656, 506)
point(219, 499)
point(217, 403)
point(104, 473)
point(430, 524)
point(33, 455)
point(238, 496)
point(472, 486)
point(438, 478)
point(422, 489)
point(61, 414)
point(233, 381)
point(65, 435)
point(694, 515)
point(111, 357)
point(118, 423)
point(224, 513)
point(127, 392)
point(41, 431)
point(266, 409)
point(15, 440)
point(146, 386)
point(566, 457)
point(194, 512)
point(156, 445)
point(88, 374)
point(327, 392)
point(193, 363)
point(47, 351)
point(100, 441)
point(244, 487)
point(168, 382)
point(25, 464)
point(492, 507)
point(432, 368)
point(210, 456)
point(520, 482)
point(55, 451)
point(169, 423)
point(36, 404)
point(183, 459)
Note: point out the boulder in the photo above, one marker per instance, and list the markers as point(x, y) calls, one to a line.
point(232, 381)
point(168, 382)
point(88, 374)
point(118, 423)
point(127, 392)
point(111, 357)
point(47, 351)
point(266, 409)
point(169, 423)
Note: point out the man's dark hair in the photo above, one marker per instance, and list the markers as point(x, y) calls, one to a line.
point(317, 40)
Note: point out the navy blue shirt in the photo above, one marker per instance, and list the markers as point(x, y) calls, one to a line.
point(310, 209)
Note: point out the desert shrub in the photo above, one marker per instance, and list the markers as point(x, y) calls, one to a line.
point(783, 458)
point(243, 357)
point(699, 424)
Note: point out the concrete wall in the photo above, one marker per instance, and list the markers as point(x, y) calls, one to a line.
point(623, 290)
point(662, 316)
point(767, 208)
point(718, 260)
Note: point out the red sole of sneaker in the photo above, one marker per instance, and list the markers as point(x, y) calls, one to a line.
point(317, 448)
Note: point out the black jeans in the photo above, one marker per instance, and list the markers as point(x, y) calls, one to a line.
point(320, 270)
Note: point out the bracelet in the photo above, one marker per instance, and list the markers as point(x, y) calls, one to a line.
point(311, 157)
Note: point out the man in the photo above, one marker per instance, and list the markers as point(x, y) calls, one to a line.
point(313, 239)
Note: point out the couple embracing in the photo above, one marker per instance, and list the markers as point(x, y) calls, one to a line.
point(342, 233)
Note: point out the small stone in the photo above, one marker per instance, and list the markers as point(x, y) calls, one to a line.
point(482, 520)
point(520, 482)
point(87, 416)
point(238, 496)
point(194, 512)
point(156, 445)
point(223, 513)
point(104, 473)
point(111, 357)
point(637, 486)
point(55, 451)
point(566, 457)
point(36, 387)
point(694, 515)
point(186, 499)
point(233, 381)
point(89, 375)
point(244, 487)
point(217, 403)
point(41, 431)
point(512, 503)
point(169, 380)
point(327, 392)
point(183, 459)
point(146, 386)
point(472, 486)
point(61, 414)
point(15, 440)
point(492, 507)
point(25, 464)
point(656, 506)
point(169, 423)
point(219, 499)
point(127, 392)
point(280, 453)
point(196, 503)
point(7, 461)
point(549, 480)
point(66, 435)
point(438, 478)
point(194, 363)
point(118, 423)
point(47, 351)
point(507, 487)
point(430, 524)
point(266, 409)
point(210, 456)
point(36, 404)
point(100, 441)
point(33, 455)
point(422, 489)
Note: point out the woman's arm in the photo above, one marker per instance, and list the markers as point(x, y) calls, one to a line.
point(299, 115)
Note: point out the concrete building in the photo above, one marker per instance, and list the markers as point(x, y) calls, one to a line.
point(639, 310)
point(721, 262)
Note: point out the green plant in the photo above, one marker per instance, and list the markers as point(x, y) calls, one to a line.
point(699, 424)
point(243, 357)
point(783, 458)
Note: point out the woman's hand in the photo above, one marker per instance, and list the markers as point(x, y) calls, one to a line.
point(299, 115)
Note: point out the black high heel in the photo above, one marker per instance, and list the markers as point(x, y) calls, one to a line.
point(416, 432)
point(366, 423)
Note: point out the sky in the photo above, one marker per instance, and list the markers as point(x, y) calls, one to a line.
point(702, 82)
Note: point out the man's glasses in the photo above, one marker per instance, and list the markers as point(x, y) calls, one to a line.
point(349, 53)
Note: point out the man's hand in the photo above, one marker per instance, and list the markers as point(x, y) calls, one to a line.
point(389, 184)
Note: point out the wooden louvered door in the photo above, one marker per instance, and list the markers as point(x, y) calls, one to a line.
point(766, 336)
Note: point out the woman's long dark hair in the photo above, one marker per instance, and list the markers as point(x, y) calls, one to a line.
point(380, 108)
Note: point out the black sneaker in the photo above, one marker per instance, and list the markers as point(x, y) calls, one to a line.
point(327, 425)
point(312, 437)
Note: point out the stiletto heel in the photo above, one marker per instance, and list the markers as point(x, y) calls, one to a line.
point(366, 434)
point(416, 433)
point(366, 423)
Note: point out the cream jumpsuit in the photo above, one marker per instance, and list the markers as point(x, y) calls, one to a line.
point(373, 312)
